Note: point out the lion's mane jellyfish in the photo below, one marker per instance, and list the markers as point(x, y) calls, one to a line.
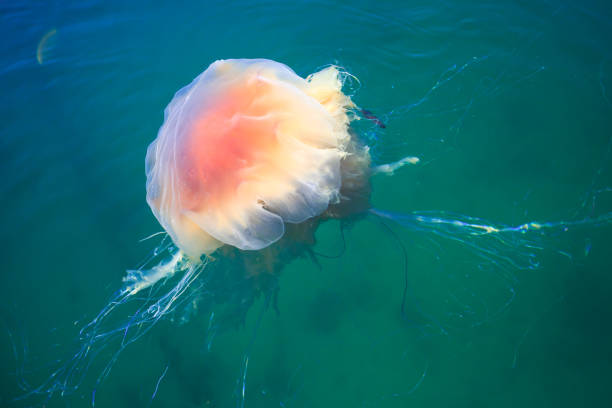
point(248, 150)
point(248, 162)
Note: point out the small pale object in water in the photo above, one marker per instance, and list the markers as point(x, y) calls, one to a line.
point(44, 44)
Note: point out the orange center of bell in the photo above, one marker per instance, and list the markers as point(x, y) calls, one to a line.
point(223, 145)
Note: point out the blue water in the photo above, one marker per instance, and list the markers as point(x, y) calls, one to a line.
point(506, 103)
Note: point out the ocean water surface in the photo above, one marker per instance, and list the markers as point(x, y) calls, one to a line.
point(508, 105)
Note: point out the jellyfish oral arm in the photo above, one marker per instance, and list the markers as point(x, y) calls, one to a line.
point(138, 280)
point(389, 168)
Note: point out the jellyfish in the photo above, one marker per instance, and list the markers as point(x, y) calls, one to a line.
point(250, 160)
point(251, 154)
point(249, 147)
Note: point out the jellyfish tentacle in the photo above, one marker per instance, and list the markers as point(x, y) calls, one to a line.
point(509, 246)
point(406, 290)
point(390, 168)
point(139, 279)
point(342, 250)
point(104, 332)
point(500, 249)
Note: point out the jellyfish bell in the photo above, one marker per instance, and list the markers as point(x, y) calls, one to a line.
point(249, 148)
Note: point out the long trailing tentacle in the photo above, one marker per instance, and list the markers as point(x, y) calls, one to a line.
point(498, 248)
point(146, 303)
point(505, 245)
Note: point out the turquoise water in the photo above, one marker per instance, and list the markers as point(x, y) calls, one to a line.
point(508, 106)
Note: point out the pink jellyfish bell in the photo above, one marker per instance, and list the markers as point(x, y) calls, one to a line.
point(248, 149)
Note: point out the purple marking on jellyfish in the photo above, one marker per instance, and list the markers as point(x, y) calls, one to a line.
point(370, 116)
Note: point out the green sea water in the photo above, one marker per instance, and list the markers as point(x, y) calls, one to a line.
point(508, 105)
